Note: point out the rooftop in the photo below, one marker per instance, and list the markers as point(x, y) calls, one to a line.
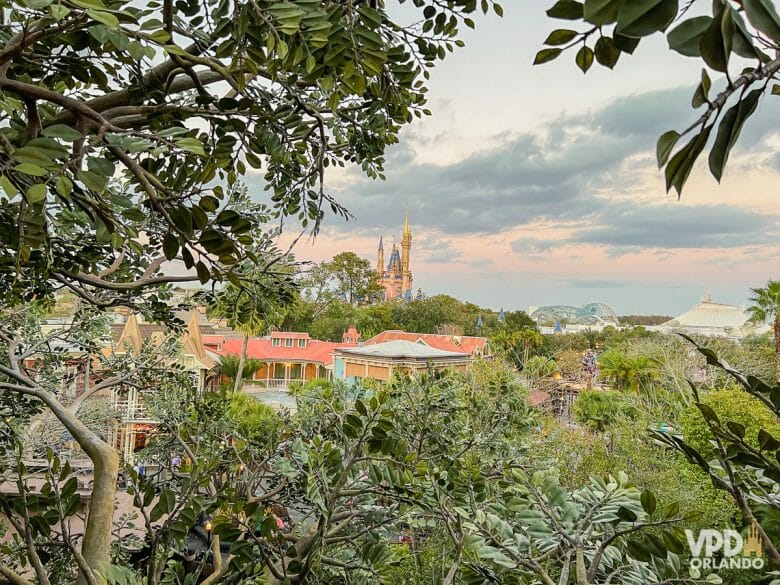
point(402, 349)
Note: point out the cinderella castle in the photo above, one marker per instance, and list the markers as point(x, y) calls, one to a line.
point(396, 277)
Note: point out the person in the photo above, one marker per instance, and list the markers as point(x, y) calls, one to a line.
point(176, 462)
point(405, 537)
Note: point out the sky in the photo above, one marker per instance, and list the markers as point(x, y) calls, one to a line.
point(534, 185)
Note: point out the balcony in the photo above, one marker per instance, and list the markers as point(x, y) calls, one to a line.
point(258, 386)
point(132, 410)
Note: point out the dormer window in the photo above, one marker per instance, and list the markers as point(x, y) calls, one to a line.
point(301, 343)
point(276, 342)
point(288, 342)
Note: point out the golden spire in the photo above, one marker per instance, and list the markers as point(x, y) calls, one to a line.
point(407, 229)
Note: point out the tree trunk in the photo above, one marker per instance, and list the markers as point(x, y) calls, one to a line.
point(580, 569)
point(96, 547)
point(241, 362)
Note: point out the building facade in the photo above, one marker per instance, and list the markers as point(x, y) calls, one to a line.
point(286, 357)
point(396, 277)
point(380, 361)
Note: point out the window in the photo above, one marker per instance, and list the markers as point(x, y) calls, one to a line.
point(288, 342)
point(301, 343)
point(276, 342)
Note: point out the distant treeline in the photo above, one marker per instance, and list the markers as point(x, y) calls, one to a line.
point(643, 320)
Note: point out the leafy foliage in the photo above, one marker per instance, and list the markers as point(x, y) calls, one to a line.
point(750, 473)
point(121, 120)
point(600, 408)
point(722, 39)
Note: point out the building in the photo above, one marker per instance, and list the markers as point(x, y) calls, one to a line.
point(476, 347)
point(712, 319)
point(135, 422)
point(381, 360)
point(286, 357)
point(592, 314)
point(396, 277)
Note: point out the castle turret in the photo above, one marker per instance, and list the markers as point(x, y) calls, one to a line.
point(406, 250)
point(380, 258)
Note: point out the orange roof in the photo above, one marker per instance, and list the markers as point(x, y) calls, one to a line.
point(457, 343)
point(262, 348)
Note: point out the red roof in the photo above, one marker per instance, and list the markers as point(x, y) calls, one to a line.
point(262, 348)
point(213, 339)
point(457, 343)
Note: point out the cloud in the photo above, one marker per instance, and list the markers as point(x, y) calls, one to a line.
point(665, 226)
point(533, 247)
point(525, 177)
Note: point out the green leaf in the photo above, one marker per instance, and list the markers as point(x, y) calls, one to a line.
point(8, 186)
point(685, 38)
point(600, 12)
point(729, 131)
point(708, 413)
point(106, 18)
point(712, 47)
point(566, 10)
point(546, 55)
point(203, 272)
point(63, 186)
point(607, 54)
point(640, 18)
point(702, 94)
point(648, 502)
point(36, 193)
point(192, 145)
point(762, 14)
point(560, 36)
point(30, 169)
point(767, 442)
point(170, 245)
point(665, 145)
point(92, 180)
point(62, 131)
point(584, 58)
point(638, 551)
point(679, 167)
point(624, 43)
point(672, 543)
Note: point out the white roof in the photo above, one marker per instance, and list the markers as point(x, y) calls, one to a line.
point(402, 349)
point(710, 315)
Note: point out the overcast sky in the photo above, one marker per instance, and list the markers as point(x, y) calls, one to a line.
point(538, 185)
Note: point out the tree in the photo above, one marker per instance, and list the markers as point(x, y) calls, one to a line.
point(600, 408)
point(630, 372)
point(253, 308)
point(32, 375)
point(122, 120)
point(723, 39)
point(765, 307)
point(126, 131)
point(348, 277)
point(744, 465)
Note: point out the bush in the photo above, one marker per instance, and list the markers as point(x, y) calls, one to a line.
point(733, 405)
point(600, 408)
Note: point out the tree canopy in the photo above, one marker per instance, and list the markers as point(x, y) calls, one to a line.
point(125, 129)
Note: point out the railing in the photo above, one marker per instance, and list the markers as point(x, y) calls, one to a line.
point(132, 411)
point(255, 386)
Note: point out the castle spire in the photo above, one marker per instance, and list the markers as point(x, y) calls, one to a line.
point(380, 258)
point(407, 229)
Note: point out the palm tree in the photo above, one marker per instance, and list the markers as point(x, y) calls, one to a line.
point(529, 338)
point(251, 309)
point(764, 308)
point(627, 372)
